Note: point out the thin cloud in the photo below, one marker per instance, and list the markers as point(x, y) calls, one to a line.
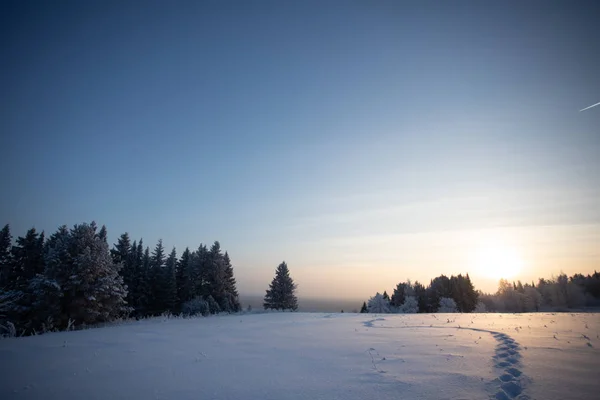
point(587, 108)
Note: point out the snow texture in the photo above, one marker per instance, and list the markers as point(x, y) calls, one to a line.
point(312, 356)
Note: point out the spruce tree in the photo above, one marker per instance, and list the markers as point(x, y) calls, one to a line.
point(281, 292)
point(121, 254)
point(79, 261)
point(27, 258)
point(421, 297)
point(231, 293)
point(386, 296)
point(103, 235)
point(399, 295)
point(142, 286)
point(184, 292)
point(170, 282)
point(198, 273)
point(215, 274)
point(5, 257)
point(157, 294)
point(364, 309)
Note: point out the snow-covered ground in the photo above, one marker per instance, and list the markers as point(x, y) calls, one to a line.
point(313, 356)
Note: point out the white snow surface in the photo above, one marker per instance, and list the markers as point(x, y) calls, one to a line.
point(313, 356)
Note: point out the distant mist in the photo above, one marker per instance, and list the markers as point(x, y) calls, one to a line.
point(311, 304)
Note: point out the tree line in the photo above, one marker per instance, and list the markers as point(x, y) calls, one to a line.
point(457, 294)
point(554, 294)
point(73, 279)
point(443, 294)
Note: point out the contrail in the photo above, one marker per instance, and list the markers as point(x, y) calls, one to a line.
point(587, 108)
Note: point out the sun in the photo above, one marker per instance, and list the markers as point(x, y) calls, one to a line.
point(498, 261)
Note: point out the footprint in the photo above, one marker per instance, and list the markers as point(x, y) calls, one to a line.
point(513, 389)
point(506, 378)
point(514, 372)
point(512, 360)
point(500, 395)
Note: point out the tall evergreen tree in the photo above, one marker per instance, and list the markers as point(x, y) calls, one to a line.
point(103, 235)
point(364, 309)
point(281, 292)
point(199, 272)
point(144, 284)
point(183, 287)
point(231, 293)
point(122, 254)
point(439, 288)
point(28, 259)
point(157, 298)
point(421, 296)
point(170, 282)
point(5, 257)
point(399, 295)
point(215, 274)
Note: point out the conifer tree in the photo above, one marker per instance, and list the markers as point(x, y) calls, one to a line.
point(157, 294)
point(5, 257)
point(27, 258)
point(143, 287)
point(184, 291)
point(79, 261)
point(121, 254)
point(364, 309)
point(170, 282)
point(399, 295)
point(198, 272)
point(281, 292)
point(231, 293)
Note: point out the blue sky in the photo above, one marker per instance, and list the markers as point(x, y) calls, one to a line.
point(362, 142)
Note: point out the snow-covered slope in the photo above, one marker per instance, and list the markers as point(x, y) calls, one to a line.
point(313, 356)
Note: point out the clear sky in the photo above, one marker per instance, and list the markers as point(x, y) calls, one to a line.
point(362, 142)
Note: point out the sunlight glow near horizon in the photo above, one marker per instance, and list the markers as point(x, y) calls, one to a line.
point(498, 261)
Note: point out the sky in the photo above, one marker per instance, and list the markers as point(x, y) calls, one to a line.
point(364, 143)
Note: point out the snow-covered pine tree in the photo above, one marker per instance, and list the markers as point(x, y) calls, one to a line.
point(213, 306)
point(26, 261)
point(79, 261)
point(170, 282)
point(281, 293)
point(378, 304)
point(410, 306)
point(386, 296)
point(103, 234)
point(447, 305)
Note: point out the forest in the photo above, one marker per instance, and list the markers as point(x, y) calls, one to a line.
point(73, 279)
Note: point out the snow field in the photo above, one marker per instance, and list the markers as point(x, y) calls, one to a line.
point(313, 356)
